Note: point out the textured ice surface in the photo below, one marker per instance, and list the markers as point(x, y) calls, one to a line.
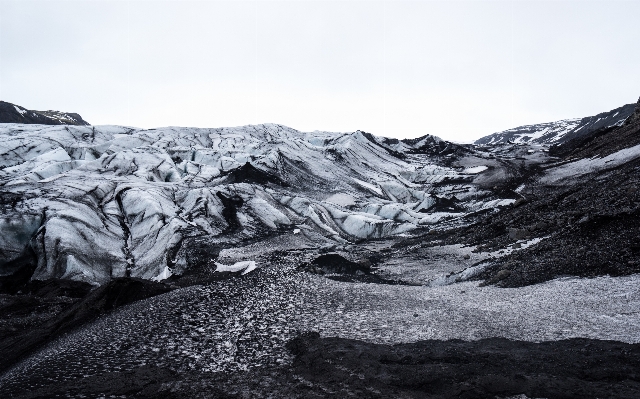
point(108, 201)
point(601, 308)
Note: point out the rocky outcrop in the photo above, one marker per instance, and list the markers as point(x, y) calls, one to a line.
point(560, 131)
point(11, 113)
point(603, 142)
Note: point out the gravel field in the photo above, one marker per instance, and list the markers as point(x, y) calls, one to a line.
point(244, 323)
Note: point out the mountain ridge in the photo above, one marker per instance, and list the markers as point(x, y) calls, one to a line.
point(12, 113)
point(559, 131)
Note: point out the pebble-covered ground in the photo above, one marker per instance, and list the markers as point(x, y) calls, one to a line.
point(244, 323)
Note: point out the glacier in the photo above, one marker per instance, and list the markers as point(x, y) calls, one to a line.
point(97, 202)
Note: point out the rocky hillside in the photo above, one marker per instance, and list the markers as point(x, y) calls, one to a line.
point(11, 113)
point(582, 210)
point(560, 131)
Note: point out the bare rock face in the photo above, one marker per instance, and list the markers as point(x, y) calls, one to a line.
point(11, 113)
point(635, 117)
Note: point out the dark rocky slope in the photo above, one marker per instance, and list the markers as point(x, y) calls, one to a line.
point(11, 113)
point(590, 223)
point(560, 131)
point(43, 310)
point(339, 368)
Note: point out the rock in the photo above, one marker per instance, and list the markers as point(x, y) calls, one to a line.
point(518, 234)
point(466, 256)
point(502, 274)
point(538, 226)
point(328, 248)
point(519, 202)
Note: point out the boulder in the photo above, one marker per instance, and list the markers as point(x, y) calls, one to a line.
point(518, 234)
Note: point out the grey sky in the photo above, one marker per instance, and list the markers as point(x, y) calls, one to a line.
point(456, 69)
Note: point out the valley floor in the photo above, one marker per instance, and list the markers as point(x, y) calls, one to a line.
point(230, 338)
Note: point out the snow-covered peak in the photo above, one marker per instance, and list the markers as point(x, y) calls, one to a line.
point(559, 131)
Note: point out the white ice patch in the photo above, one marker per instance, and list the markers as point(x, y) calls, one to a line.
point(589, 165)
point(165, 274)
point(523, 244)
point(369, 186)
point(475, 170)
point(21, 111)
point(341, 199)
point(244, 267)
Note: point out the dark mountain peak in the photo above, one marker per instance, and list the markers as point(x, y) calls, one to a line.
point(11, 113)
point(560, 131)
point(635, 117)
point(603, 141)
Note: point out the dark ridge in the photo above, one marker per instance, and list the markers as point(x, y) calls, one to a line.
point(443, 204)
point(590, 228)
point(338, 268)
point(605, 141)
point(597, 245)
point(601, 121)
point(435, 146)
point(635, 117)
point(22, 268)
point(488, 368)
point(585, 127)
point(116, 293)
point(386, 141)
point(565, 148)
point(248, 173)
point(11, 113)
point(230, 211)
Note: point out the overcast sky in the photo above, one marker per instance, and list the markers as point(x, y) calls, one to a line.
point(456, 69)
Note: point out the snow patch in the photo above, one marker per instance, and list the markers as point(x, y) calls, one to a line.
point(475, 169)
point(589, 165)
point(21, 111)
point(244, 267)
point(341, 199)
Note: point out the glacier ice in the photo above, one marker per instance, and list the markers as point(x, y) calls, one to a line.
point(98, 202)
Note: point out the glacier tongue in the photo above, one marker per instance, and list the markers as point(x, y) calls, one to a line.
point(100, 202)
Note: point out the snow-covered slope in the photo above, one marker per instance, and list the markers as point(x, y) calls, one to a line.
point(559, 131)
point(94, 203)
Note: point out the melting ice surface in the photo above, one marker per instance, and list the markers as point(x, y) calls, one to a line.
point(108, 201)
